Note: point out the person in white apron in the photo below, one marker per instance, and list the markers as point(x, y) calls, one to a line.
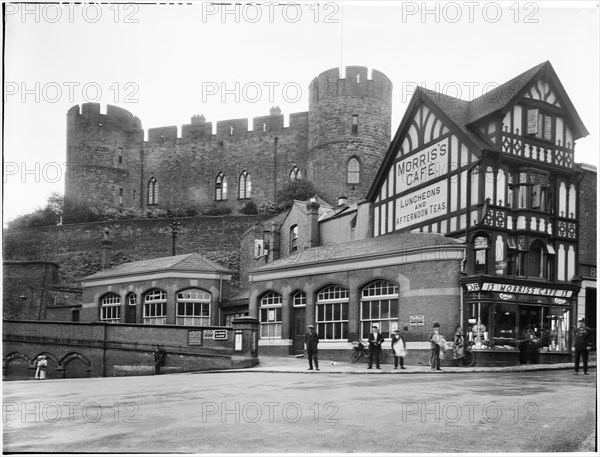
point(399, 348)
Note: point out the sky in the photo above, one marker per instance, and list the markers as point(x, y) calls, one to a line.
point(165, 63)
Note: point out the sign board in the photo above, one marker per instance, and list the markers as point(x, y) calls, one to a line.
point(220, 334)
point(194, 337)
point(528, 290)
point(422, 205)
point(417, 321)
point(423, 166)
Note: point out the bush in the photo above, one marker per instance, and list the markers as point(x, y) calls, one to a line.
point(297, 189)
point(249, 208)
point(215, 209)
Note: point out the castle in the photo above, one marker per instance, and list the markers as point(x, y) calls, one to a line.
point(338, 145)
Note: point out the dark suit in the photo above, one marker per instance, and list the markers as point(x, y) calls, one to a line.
point(582, 340)
point(375, 348)
point(312, 341)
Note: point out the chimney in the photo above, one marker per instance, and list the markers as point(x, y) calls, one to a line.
point(274, 243)
point(106, 250)
point(312, 223)
point(342, 200)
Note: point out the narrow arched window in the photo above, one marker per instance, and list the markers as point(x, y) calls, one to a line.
point(295, 174)
point(245, 185)
point(153, 191)
point(221, 187)
point(353, 171)
point(293, 238)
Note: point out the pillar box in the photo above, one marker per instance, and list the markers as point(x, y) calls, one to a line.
point(245, 342)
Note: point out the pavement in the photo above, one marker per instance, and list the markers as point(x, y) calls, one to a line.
point(293, 364)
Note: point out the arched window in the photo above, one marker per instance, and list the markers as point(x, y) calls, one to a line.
point(379, 306)
point(155, 307)
point(270, 315)
point(293, 238)
point(295, 174)
point(110, 308)
point(245, 185)
point(153, 191)
point(353, 169)
point(193, 307)
point(299, 299)
point(480, 249)
point(332, 313)
point(221, 187)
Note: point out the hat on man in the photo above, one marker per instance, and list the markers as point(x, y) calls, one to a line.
point(311, 326)
point(436, 325)
point(396, 331)
point(375, 326)
point(581, 319)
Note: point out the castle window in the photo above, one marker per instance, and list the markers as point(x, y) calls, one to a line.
point(231, 129)
point(355, 123)
point(264, 127)
point(293, 238)
point(221, 187)
point(270, 315)
point(120, 155)
point(121, 196)
point(110, 309)
point(295, 174)
point(244, 186)
point(353, 168)
point(193, 307)
point(153, 191)
point(357, 78)
point(155, 307)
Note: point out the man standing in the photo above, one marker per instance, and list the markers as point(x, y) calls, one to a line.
point(159, 358)
point(582, 337)
point(438, 348)
point(375, 340)
point(311, 339)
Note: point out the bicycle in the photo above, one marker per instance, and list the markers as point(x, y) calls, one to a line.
point(467, 360)
point(360, 350)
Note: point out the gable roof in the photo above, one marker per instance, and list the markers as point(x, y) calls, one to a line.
point(186, 262)
point(460, 114)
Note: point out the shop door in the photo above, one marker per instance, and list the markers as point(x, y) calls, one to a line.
point(299, 329)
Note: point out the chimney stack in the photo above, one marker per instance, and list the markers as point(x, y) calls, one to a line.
point(342, 200)
point(312, 223)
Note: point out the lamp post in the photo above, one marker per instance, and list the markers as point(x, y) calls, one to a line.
point(175, 228)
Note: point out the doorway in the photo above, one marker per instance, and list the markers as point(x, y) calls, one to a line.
point(298, 329)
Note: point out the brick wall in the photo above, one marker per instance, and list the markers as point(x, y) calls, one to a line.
point(26, 288)
point(588, 229)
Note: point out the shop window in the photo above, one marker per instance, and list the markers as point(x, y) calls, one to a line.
point(555, 332)
point(505, 326)
point(245, 185)
point(221, 187)
point(480, 248)
point(379, 306)
point(193, 307)
point(295, 174)
point(153, 191)
point(299, 299)
point(155, 307)
point(478, 324)
point(110, 308)
point(293, 238)
point(270, 315)
point(353, 169)
point(332, 313)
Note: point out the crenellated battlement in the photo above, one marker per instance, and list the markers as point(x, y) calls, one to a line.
point(356, 83)
point(116, 116)
point(200, 130)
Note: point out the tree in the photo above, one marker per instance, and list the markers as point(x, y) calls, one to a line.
point(296, 189)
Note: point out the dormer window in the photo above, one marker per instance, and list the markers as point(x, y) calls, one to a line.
point(540, 124)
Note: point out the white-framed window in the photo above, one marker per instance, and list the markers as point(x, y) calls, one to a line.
point(481, 244)
point(332, 313)
point(378, 306)
point(245, 185)
point(132, 299)
point(353, 170)
point(221, 187)
point(270, 315)
point(110, 309)
point(299, 299)
point(295, 173)
point(155, 307)
point(293, 238)
point(153, 191)
point(193, 307)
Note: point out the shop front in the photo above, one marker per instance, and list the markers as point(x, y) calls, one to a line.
point(518, 323)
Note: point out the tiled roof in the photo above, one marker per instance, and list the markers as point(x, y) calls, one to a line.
point(394, 242)
point(184, 262)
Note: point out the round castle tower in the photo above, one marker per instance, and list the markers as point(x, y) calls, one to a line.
point(103, 157)
point(349, 130)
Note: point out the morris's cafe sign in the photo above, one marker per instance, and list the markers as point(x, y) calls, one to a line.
point(519, 289)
